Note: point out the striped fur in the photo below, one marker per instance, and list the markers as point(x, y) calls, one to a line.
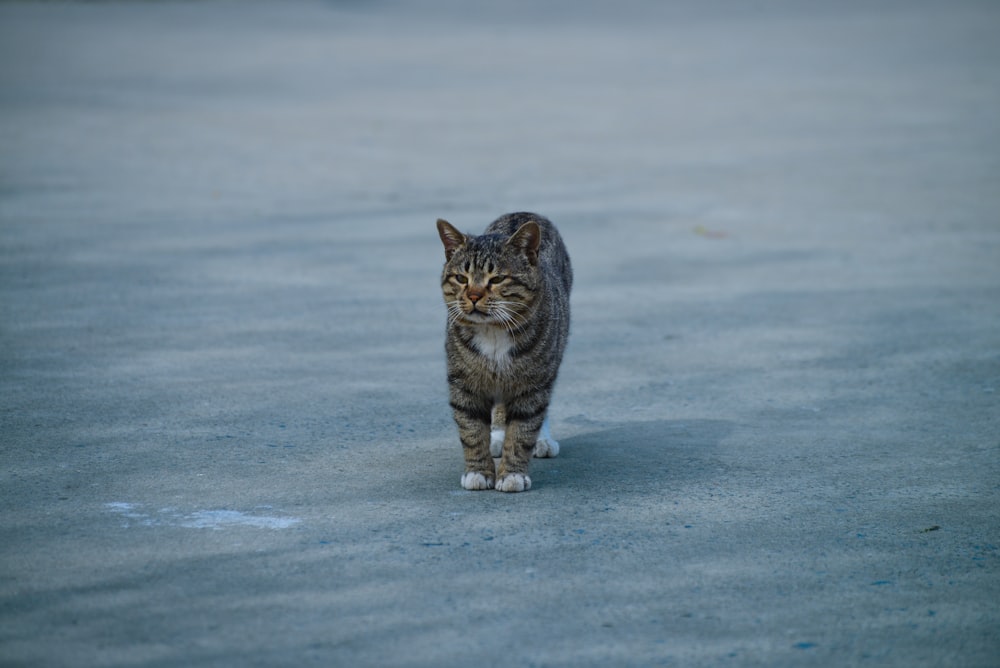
point(507, 293)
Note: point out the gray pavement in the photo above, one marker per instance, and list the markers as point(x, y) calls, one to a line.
point(225, 433)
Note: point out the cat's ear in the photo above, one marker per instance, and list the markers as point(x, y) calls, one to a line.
point(450, 237)
point(526, 239)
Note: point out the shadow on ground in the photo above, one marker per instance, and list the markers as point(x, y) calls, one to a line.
point(638, 455)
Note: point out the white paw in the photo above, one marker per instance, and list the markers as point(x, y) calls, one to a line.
point(514, 482)
point(496, 442)
point(546, 447)
point(473, 480)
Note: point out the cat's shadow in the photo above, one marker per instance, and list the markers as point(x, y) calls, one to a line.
point(636, 455)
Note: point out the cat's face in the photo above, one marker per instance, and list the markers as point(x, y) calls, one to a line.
point(490, 279)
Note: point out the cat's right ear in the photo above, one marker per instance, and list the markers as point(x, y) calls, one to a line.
point(450, 237)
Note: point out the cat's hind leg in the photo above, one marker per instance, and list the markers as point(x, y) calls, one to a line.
point(545, 446)
point(496, 441)
point(498, 428)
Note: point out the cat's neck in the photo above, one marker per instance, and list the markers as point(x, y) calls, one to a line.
point(493, 342)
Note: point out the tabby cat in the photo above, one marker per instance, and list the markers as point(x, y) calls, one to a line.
point(507, 293)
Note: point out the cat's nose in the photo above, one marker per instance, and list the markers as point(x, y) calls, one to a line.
point(474, 295)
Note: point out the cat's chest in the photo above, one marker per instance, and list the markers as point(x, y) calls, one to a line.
point(494, 344)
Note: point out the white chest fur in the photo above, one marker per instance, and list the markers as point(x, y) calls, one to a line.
point(494, 343)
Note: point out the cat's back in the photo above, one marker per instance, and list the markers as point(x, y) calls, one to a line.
point(552, 255)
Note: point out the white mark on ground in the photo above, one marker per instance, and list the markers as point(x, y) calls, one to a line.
point(133, 514)
point(218, 519)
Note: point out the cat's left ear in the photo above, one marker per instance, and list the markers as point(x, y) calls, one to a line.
point(527, 239)
point(450, 237)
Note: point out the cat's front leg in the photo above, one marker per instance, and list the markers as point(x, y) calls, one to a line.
point(472, 416)
point(518, 445)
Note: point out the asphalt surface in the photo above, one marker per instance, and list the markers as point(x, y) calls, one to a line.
point(225, 432)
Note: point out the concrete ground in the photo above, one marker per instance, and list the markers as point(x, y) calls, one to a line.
point(225, 433)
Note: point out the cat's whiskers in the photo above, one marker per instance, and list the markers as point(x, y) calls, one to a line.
point(505, 321)
point(454, 311)
point(509, 318)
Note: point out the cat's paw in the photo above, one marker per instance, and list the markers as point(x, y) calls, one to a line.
point(496, 442)
point(514, 482)
point(546, 446)
point(474, 480)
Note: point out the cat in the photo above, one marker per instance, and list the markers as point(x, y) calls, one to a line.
point(507, 293)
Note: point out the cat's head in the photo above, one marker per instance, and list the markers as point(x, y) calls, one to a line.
point(490, 279)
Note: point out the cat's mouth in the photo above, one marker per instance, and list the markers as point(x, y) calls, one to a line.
point(479, 314)
point(476, 314)
point(493, 314)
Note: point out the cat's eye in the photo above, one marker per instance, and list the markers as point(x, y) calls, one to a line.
point(461, 278)
point(497, 280)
